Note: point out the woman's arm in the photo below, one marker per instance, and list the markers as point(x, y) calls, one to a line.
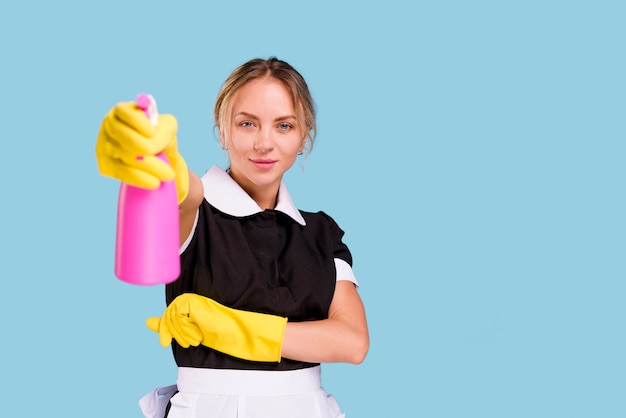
point(343, 337)
point(189, 206)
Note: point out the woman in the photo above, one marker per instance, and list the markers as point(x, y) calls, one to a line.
point(266, 292)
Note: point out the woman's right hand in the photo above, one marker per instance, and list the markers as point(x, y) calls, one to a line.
point(127, 146)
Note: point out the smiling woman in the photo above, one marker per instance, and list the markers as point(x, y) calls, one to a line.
point(264, 139)
point(266, 291)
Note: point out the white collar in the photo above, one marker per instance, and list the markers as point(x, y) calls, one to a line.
point(221, 191)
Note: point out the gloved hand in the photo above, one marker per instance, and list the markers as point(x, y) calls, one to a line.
point(127, 146)
point(192, 319)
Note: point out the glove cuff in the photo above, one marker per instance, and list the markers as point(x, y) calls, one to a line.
point(182, 181)
point(181, 173)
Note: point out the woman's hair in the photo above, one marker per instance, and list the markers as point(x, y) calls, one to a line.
point(276, 69)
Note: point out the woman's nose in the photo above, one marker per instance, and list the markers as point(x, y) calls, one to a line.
point(264, 140)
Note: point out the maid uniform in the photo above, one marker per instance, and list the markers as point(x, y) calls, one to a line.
point(278, 261)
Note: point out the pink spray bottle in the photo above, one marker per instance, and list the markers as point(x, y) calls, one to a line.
point(147, 241)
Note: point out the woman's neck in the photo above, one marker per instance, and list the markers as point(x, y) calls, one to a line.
point(265, 201)
point(266, 197)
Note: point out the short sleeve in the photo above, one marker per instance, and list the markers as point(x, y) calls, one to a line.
point(185, 244)
point(344, 272)
point(341, 254)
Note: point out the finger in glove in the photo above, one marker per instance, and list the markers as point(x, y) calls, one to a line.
point(182, 328)
point(157, 325)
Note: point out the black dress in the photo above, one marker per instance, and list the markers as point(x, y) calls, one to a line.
point(280, 262)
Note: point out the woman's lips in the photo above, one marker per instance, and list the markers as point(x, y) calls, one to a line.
point(263, 164)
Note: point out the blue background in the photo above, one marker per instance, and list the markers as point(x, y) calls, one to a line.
point(472, 151)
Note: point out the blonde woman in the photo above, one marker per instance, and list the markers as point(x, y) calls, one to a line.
point(266, 291)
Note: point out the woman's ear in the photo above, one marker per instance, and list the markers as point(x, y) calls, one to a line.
point(222, 137)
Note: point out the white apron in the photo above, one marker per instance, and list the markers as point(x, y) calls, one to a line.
point(243, 394)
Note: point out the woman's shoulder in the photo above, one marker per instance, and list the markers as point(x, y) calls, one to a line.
point(315, 216)
point(319, 218)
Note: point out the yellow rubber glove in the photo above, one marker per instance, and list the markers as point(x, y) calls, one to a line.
point(193, 319)
point(127, 146)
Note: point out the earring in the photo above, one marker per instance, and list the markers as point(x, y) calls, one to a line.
point(303, 146)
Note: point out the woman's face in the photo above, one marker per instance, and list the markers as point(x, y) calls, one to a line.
point(263, 138)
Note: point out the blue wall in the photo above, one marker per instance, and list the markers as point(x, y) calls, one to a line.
point(472, 151)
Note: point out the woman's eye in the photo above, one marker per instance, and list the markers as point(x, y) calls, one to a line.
point(246, 124)
point(284, 126)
